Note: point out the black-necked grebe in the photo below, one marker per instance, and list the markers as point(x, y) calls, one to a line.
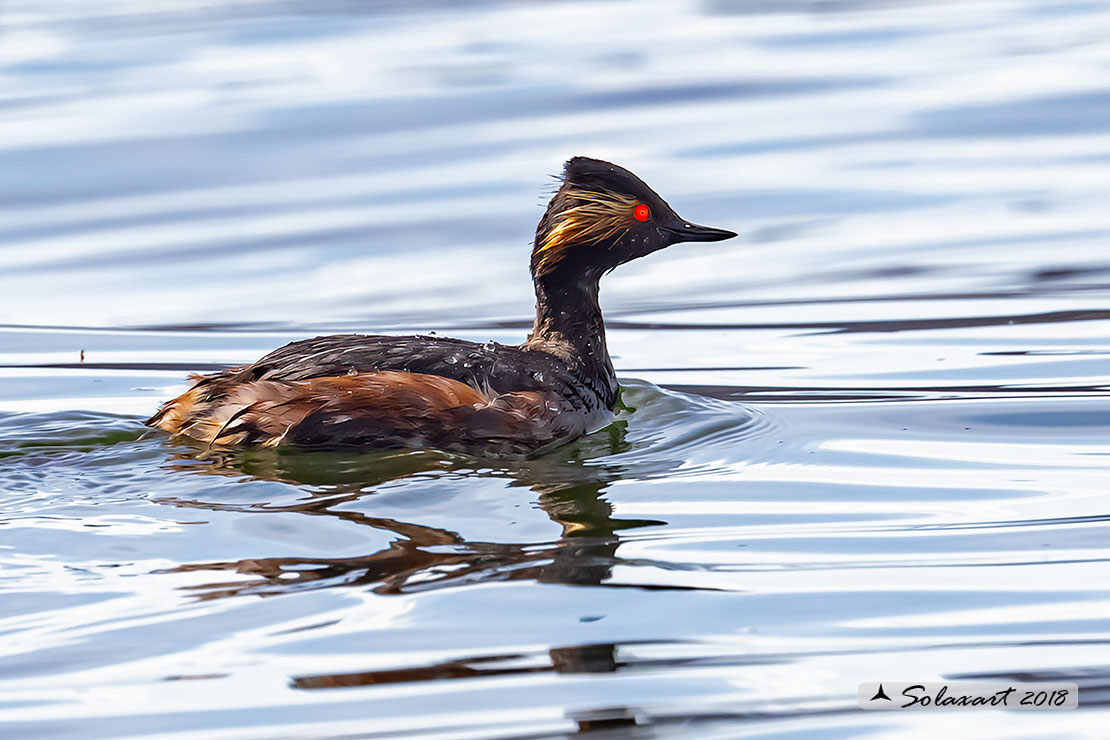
point(377, 392)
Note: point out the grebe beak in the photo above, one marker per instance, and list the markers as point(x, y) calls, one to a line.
point(684, 231)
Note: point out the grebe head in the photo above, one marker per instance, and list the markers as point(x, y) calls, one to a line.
point(603, 216)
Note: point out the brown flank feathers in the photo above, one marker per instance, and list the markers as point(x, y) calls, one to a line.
point(374, 410)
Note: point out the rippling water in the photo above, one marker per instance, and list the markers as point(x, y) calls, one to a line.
point(868, 440)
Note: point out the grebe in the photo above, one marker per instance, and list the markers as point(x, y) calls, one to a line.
point(378, 392)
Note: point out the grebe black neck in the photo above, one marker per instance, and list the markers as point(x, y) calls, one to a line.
point(570, 326)
point(601, 217)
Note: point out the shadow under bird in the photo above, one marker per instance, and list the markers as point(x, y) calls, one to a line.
point(380, 392)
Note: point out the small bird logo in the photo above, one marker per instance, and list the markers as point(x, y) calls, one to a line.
point(880, 694)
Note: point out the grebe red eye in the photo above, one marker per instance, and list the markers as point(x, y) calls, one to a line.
point(641, 212)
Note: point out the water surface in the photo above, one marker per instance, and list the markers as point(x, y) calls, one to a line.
point(868, 440)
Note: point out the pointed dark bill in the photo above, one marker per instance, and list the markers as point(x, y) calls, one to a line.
point(684, 231)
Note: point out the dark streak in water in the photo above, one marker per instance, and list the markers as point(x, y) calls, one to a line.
point(162, 366)
point(895, 325)
point(885, 393)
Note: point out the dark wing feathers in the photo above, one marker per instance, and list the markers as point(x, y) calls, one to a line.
point(370, 391)
point(498, 367)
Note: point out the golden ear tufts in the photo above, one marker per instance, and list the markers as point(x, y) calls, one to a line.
point(593, 217)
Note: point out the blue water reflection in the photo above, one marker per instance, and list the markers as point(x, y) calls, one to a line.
point(866, 440)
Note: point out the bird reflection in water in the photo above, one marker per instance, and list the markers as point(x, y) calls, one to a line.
point(568, 485)
point(588, 658)
point(422, 556)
